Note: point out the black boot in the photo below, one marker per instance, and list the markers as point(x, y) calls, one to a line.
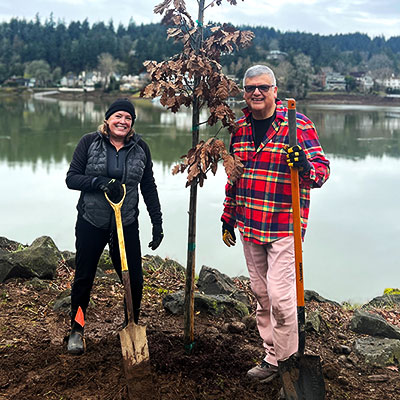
point(136, 314)
point(76, 341)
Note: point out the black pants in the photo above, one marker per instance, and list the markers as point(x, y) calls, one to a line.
point(90, 243)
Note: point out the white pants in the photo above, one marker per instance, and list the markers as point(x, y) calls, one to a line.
point(273, 281)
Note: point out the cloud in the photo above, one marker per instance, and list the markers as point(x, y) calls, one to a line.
point(314, 16)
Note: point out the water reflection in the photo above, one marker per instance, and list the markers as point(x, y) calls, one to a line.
point(39, 129)
point(357, 131)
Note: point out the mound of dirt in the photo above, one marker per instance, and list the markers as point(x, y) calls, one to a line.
point(34, 363)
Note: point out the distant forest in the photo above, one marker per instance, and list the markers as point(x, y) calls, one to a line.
point(77, 47)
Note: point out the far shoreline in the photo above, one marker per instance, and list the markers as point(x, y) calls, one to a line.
point(328, 98)
point(350, 98)
point(313, 98)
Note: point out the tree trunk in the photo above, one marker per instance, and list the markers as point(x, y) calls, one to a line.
point(191, 252)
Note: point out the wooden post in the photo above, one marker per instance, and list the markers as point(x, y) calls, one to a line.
point(191, 251)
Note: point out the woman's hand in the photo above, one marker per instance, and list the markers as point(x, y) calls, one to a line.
point(158, 236)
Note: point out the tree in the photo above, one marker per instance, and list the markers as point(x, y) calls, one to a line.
point(194, 78)
point(297, 76)
point(3, 72)
point(40, 70)
point(56, 75)
point(107, 66)
point(381, 66)
point(351, 83)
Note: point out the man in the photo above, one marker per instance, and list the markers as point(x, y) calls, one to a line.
point(259, 204)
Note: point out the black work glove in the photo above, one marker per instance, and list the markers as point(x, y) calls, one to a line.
point(228, 234)
point(296, 158)
point(158, 236)
point(112, 187)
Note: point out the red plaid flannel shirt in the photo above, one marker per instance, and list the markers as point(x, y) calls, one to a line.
point(259, 202)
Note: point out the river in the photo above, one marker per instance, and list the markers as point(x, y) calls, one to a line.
point(351, 242)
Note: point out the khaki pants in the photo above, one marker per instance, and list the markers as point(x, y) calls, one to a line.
point(273, 281)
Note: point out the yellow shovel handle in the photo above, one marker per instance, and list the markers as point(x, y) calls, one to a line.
point(121, 242)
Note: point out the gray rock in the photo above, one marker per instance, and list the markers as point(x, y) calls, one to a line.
point(210, 304)
point(105, 263)
point(314, 322)
point(384, 301)
point(69, 258)
point(174, 302)
point(152, 263)
point(378, 352)
point(213, 282)
point(310, 295)
point(341, 349)
point(38, 284)
point(171, 264)
point(9, 245)
point(40, 259)
point(63, 301)
point(374, 325)
point(63, 304)
point(104, 266)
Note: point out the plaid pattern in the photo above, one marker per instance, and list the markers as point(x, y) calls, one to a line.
point(259, 203)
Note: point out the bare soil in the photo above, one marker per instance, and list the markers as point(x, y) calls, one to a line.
point(34, 363)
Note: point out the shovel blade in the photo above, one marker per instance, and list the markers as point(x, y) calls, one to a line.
point(136, 362)
point(302, 378)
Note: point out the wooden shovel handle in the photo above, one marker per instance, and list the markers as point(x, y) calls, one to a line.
point(294, 179)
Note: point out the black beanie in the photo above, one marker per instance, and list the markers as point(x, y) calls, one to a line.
point(121, 105)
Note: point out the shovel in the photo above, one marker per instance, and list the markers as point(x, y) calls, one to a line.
point(135, 350)
point(301, 374)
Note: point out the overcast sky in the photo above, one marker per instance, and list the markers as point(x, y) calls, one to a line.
point(373, 17)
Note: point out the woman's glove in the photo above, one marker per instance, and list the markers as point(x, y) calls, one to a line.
point(228, 234)
point(112, 187)
point(296, 158)
point(158, 236)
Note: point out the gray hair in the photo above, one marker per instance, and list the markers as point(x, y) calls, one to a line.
point(257, 70)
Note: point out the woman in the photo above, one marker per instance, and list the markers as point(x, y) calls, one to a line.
point(102, 162)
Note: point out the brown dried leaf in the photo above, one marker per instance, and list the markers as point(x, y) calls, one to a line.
point(245, 38)
point(233, 166)
point(173, 32)
point(202, 176)
point(176, 169)
point(180, 4)
point(193, 172)
point(222, 91)
point(160, 8)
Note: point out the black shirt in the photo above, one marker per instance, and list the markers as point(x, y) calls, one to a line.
point(260, 128)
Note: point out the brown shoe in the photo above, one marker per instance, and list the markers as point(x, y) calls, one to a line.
point(265, 372)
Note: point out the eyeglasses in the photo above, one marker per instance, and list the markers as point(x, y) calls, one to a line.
point(261, 88)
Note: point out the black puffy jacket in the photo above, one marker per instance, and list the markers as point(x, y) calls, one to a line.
point(90, 160)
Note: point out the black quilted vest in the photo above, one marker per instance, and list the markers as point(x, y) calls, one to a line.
point(95, 208)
